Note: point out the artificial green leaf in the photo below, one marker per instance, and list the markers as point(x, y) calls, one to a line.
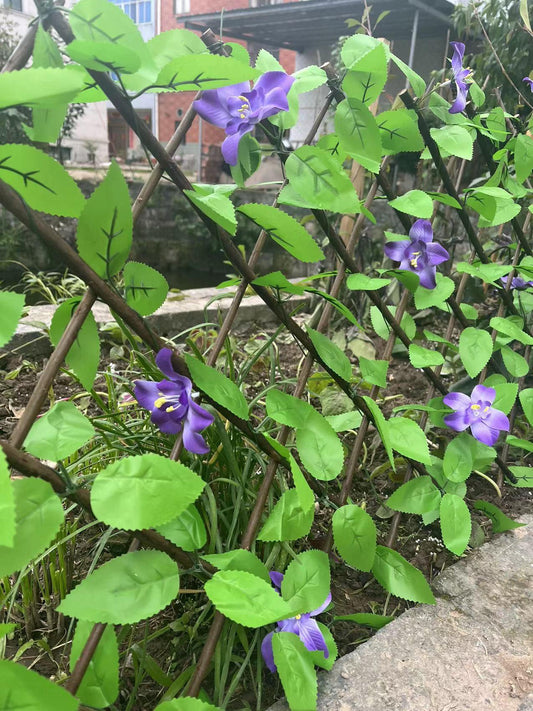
point(458, 460)
point(494, 205)
point(84, 354)
point(491, 273)
point(276, 280)
point(287, 409)
point(186, 531)
point(331, 354)
point(523, 157)
point(445, 199)
point(399, 132)
point(366, 77)
point(266, 62)
point(500, 522)
point(367, 619)
point(214, 202)
point(454, 140)
point(105, 227)
point(469, 311)
point(417, 496)
point(414, 202)
point(7, 505)
point(516, 364)
point(362, 282)
point(382, 427)
point(354, 533)
point(345, 421)
point(338, 305)
point(186, 703)
point(6, 629)
point(203, 71)
point(239, 559)
point(40, 180)
point(475, 349)
point(512, 328)
point(217, 387)
point(306, 583)
point(305, 79)
point(319, 448)
point(246, 599)
point(520, 443)
point(144, 491)
point(407, 438)
point(59, 433)
point(288, 520)
point(316, 180)
point(358, 133)
point(416, 81)
point(482, 454)
point(399, 577)
point(12, 305)
point(132, 587)
point(145, 288)
point(526, 400)
point(318, 658)
point(285, 230)
point(455, 523)
point(38, 518)
point(26, 690)
point(505, 392)
point(296, 671)
point(248, 159)
point(357, 46)
point(166, 46)
point(374, 371)
point(424, 357)
point(305, 493)
point(35, 86)
point(99, 686)
point(524, 476)
point(382, 327)
point(104, 56)
point(426, 298)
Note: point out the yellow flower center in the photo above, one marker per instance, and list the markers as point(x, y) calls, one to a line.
point(414, 261)
point(160, 402)
point(298, 617)
point(475, 407)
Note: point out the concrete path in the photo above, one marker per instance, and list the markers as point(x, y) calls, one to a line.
point(472, 651)
point(192, 307)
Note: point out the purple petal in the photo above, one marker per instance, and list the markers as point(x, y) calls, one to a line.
point(396, 250)
point(270, 81)
point(484, 433)
point(146, 392)
point(421, 231)
point(481, 392)
point(275, 102)
point(437, 253)
point(497, 420)
point(457, 401)
point(427, 277)
point(168, 425)
point(213, 103)
point(196, 419)
point(276, 578)
point(457, 421)
point(268, 652)
point(529, 82)
point(289, 625)
point(459, 104)
point(312, 637)
point(458, 54)
point(322, 607)
point(230, 146)
point(163, 361)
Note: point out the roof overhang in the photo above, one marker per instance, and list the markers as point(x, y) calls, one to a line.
point(313, 23)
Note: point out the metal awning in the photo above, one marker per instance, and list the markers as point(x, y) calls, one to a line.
point(312, 23)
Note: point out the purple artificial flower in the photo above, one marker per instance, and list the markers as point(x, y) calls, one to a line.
point(529, 82)
point(171, 404)
point(476, 412)
point(517, 283)
point(418, 254)
point(302, 625)
point(460, 76)
point(238, 108)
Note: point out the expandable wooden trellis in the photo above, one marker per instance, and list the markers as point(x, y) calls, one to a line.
point(97, 288)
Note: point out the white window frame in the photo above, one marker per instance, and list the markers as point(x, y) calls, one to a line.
point(182, 7)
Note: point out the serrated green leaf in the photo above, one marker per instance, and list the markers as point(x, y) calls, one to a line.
point(399, 577)
point(523, 157)
point(367, 76)
point(217, 387)
point(186, 703)
point(105, 227)
point(38, 518)
point(355, 534)
point(22, 688)
point(166, 46)
point(203, 71)
point(331, 354)
point(417, 496)
point(84, 354)
point(505, 392)
point(374, 371)
point(144, 491)
point(124, 590)
point(455, 523)
point(345, 421)
point(516, 364)
point(424, 357)
point(362, 282)
point(145, 288)
point(382, 327)
point(296, 671)
point(214, 202)
point(500, 522)
point(524, 476)
point(382, 427)
point(59, 433)
point(367, 619)
point(285, 230)
point(316, 180)
point(99, 686)
point(246, 599)
point(40, 180)
point(248, 159)
point(239, 559)
point(416, 81)
point(12, 305)
point(338, 305)
point(287, 409)
point(35, 86)
point(306, 583)
point(319, 658)
point(426, 298)
point(494, 205)
point(7, 505)
point(509, 327)
point(319, 448)
point(358, 133)
point(458, 460)
point(407, 438)
point(475, 349)
point(454, 140)
point(414, 202)
point(399, 132)
point(186, 531)
point(288, 520)
point(491, 273)
point(104, 56)
point(526, 400)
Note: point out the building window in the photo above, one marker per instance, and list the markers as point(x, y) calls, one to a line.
point(182, 6)
point(13, 4)
point(263, 3)
point(140, 11)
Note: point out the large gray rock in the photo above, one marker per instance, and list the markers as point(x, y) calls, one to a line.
point(472, 651)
